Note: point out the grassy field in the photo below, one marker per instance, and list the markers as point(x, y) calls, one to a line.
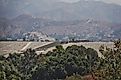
point(14, 46)
point(11, 47)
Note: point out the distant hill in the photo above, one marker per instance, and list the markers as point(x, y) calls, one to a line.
point(6, 27)
point(62, 11)
point(88, 19)
point(87, 28)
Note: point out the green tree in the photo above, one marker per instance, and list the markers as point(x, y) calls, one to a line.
point(8, 71)
point(110, 66)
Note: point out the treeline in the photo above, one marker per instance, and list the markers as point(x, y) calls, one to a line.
point(72, 63)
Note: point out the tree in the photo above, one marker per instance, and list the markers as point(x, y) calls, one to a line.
point(110, 66)
point(66, 62)
point(8, 71)
point(73, 63)
point(74, 77)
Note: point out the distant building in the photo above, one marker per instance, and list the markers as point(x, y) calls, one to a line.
point(19, 39)
point(37, 36)
point(9, 39)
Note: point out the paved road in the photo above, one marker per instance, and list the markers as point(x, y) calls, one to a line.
point(7, 47)
point(25, 47)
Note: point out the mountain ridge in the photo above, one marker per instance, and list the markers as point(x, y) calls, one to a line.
point(87, 28)
point(87, 19)
point(63, 11)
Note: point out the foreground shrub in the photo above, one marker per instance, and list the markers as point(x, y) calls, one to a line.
point(61, 63)
point(72, 63)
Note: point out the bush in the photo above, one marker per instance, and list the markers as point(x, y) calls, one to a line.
point(72, 63)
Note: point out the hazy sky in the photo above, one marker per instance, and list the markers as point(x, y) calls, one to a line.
point(70, 0)
point(108, 1)
point(112, 1)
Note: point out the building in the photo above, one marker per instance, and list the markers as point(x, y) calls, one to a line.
point(37, 36)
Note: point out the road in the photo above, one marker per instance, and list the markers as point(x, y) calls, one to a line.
point(25, 47)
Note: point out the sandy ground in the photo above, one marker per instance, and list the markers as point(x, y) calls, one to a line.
point(11, 47)
point(14, 46)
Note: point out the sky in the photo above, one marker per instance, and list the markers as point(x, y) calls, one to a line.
point(107, 1)
point(70, 0)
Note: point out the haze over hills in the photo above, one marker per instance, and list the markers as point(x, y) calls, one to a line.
point(87, 28)
point(86, 19)
point(57, 10)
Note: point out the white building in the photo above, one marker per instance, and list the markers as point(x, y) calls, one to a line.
point(37, 36)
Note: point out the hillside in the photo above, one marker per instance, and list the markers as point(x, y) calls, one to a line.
point(87, 28)
point(60, 11)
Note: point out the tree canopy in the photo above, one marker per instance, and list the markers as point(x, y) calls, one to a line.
point(73, 63)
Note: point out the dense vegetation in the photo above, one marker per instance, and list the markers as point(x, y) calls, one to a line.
point(72, 63)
